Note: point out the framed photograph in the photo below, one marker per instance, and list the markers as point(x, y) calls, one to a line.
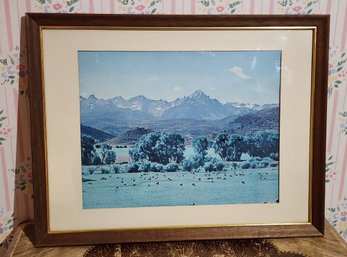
point(177, 127)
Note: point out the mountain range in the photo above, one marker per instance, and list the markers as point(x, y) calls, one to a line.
point(197, 106)
point(190, 116)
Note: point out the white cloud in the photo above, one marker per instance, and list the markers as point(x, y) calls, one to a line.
point(177, 89)
point(253, 63)
point(212, 88)
point(96, 56)
point(153, 78)
point(238, 72)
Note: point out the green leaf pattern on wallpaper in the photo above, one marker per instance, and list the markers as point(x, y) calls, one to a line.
point(10, 69)
point(337, 70)
point(329, 171)
point(338, 217)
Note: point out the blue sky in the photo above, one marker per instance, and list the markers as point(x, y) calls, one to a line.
point(246, 76)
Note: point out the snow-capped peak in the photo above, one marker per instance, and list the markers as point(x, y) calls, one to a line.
point(92, 97)
point(198, 94)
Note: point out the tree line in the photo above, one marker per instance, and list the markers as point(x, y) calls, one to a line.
point(168, 148)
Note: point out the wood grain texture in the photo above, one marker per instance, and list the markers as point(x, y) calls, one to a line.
point(36, 21)
point(38, 144)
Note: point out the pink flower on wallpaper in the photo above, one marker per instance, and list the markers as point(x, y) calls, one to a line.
point(297, 8)
point(140, 7)
point(220, 8)
point(57, 6)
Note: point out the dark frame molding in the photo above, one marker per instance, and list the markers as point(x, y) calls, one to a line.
point(36, 21)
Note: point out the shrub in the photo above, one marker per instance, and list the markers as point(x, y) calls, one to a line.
point(274, 156)
point(274, 164)
point(214, 165)
point(197, 161)
point(193, 162)
point(145, 167)
point(258, 159)
point(245, 165)
point(220, 166)
point(115, 168)
point(268, 159)
point(171, 167)
point(91, 170)
point(105, 170)
point(234, 165)
point(209, 167)
point(157, 167)
point(254, 165)
point(133, 167)
point(263, 164)
point(187, 165)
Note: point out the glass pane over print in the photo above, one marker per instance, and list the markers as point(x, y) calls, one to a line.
point(179, 128)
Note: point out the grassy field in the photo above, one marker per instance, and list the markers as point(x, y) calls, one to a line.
point(180, 188)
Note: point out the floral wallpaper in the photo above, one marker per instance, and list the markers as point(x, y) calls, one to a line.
point(16, 203)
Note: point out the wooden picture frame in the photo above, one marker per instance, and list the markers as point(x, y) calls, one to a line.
point(308, 93)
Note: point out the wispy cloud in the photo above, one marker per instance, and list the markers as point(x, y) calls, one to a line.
point(96, 58)
point(177, 89)
point(153, 78)
point(237, 70)
point(253, 63)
